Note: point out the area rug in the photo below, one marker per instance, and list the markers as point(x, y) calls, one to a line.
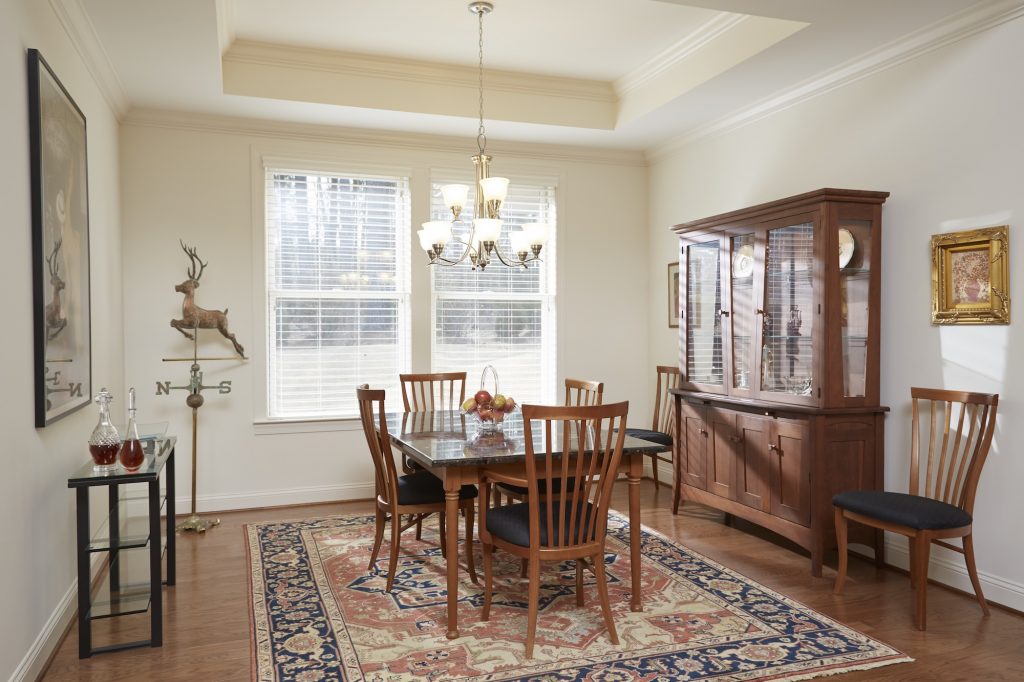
point(318, 614)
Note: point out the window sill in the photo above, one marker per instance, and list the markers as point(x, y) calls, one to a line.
point(270, 427)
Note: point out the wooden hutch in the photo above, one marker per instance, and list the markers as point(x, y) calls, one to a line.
point(778, 408)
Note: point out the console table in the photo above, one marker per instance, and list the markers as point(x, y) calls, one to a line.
point(130, 591)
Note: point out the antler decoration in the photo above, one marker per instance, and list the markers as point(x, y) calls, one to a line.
point(194, 258)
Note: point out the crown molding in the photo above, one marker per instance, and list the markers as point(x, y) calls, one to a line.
point(248, 127)
point(225, 24)
point(411, 71)
point(80, 30)
point(938, 35)
point(704, 34)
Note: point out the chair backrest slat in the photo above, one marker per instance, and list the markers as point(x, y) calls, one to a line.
point(375, 428)
point(956, 455)
point(578, 481)
point(581, 392)
point(432, 392)
point(669, 377)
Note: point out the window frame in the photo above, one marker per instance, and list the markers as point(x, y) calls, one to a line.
point(262, 164)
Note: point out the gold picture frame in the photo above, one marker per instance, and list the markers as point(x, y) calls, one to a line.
point(971, 277)
point(674, 305)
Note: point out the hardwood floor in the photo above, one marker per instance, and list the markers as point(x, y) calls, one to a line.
point(206, 620)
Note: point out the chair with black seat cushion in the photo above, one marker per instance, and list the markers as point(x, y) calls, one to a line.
point(571, 525)
point(417, 494)
point(940, 504)
point(577, 392)
point(662, 430)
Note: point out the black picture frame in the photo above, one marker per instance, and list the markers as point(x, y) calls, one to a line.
point(61, 304)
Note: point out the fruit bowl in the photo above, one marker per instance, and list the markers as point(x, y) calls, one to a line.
point(489, 409)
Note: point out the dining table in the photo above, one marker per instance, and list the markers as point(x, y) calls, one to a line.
point(453, 447)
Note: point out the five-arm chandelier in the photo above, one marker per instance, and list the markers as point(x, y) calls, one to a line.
point(482, 243)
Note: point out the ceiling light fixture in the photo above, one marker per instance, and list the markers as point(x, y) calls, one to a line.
point(482, 243)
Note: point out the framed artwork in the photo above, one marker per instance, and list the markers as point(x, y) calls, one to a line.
point(60, 246)
point(971, 277)
point(673, 295)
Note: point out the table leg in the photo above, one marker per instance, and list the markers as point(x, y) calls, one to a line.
point(171, 540)
point(156, 597)
point(635, 472)
point(84, 583)
point(114, 522)
point(451, 521)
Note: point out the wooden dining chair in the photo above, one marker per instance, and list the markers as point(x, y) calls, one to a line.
point(941, 500)
point(662, 429)
point(583, 392)
point(418, 494)
point(573, 524)
point(434, 391)
point(578, 392)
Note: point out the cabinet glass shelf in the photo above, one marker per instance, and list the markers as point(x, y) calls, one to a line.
point(133, 531)
point(133, 596)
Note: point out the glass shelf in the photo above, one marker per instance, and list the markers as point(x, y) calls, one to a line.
point(134, 593)
point(133, 522)
point(855, 272)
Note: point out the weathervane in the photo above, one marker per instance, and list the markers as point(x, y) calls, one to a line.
point(193, 319)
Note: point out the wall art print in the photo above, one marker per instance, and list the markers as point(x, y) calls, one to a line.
point(60, 246)
point(971, 277)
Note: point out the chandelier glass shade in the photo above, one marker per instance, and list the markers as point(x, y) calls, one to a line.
point(480, 247)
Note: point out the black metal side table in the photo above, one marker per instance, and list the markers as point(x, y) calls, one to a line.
point(125, 595)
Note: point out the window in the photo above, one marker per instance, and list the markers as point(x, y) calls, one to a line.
point(337, 264)
point(502, 316)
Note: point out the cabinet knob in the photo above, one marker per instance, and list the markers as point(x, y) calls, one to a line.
point(736, 439)
point(774, 448)
point(723, 313)
point(703, 432)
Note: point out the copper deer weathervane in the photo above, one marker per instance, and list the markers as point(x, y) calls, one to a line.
point(192, 316)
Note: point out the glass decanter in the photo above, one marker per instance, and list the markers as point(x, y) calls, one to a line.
point(104, 441)
point(131, 455)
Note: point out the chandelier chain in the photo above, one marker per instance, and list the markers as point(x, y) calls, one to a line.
point(481, 136)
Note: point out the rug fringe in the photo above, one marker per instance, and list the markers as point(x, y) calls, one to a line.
point(838, 671)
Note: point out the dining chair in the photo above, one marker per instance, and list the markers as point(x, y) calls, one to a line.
point(583, 392)
point(417, 494)
point(578, 392)
point(940, 504)
point(570, 526)
point(662, 429)
point(430, 392)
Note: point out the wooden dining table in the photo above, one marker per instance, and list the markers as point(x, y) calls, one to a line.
point(449, 445)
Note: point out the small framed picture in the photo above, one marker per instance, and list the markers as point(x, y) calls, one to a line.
point(673, 295)
point(971, 277)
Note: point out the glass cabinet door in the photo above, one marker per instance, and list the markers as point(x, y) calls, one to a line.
point(787, 315)
point(854, 297)
point(703, 314)
point(741, 311)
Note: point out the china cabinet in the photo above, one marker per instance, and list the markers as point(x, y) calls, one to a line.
point(778, 407)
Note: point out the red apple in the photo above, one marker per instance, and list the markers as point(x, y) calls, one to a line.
point(482, 397)
point(485, 414)
point(510, 404)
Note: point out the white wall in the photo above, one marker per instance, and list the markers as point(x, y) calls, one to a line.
point(191, 177)
point(37, 508)
point(942, 134)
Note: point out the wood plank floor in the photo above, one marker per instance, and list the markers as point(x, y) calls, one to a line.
point(206, 621)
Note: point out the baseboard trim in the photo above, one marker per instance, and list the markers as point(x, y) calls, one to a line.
point(952, 572)
point(276, 498)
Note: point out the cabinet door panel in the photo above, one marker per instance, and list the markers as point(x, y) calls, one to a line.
point(721, 454)
point(701, 319)
point(790, 479)
point(693, 454)
point(752, 485)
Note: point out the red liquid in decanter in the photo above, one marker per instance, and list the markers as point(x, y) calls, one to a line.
point(131, 455)
point(105, 453)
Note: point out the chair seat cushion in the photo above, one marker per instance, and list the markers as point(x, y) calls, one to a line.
point(653, 436)
point(542, 487)
point(423, 487)
point(913, 511)
point(512, 522)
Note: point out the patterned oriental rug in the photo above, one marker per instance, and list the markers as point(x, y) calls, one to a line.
point(317, 614)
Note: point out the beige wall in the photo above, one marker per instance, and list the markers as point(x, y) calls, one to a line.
point(942, 134)
point(193, 178)
point(37, 578)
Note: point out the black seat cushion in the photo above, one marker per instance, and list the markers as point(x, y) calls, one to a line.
point(423, 487)
point(542, 487)
point(512, 522)
point(913, 511)
point(653, 436)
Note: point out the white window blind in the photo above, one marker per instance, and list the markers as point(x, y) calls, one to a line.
point(337, 290)
point(502, 316)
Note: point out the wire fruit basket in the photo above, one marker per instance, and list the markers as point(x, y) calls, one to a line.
point(490, 409)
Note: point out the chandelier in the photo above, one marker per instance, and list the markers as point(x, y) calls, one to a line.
point(482, 243)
